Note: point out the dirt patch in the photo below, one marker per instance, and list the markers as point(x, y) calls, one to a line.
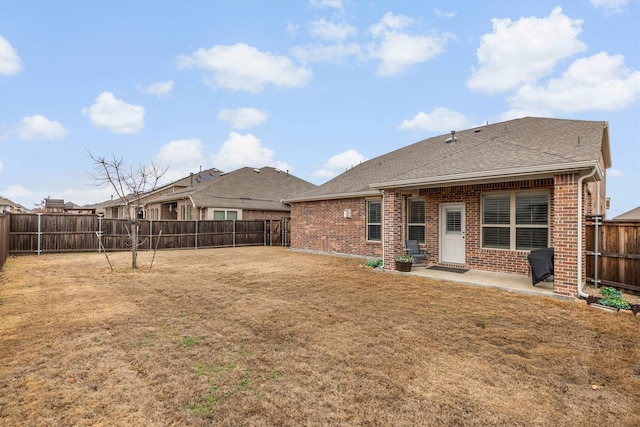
point(267, 336)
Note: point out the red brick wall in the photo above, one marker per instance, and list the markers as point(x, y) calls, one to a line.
point(321, 226)
point(392, 227)
point(498, 260)
point(565, 220)
point(274, 215)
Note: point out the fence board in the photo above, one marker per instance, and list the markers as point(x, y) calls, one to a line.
point(49, 233)
point(618, 254)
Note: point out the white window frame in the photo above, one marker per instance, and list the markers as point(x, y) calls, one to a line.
point(513, 226)
point(368, 202)
point(211, 213)
point(417, 224)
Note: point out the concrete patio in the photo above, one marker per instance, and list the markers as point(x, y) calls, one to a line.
point(502, 281)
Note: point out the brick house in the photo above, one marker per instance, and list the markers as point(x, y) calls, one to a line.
point(244, 194)
point(117, 209)
point(481, 199)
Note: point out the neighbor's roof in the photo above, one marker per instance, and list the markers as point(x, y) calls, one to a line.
point(245, 188)
point(632, 215)
point(526, 147)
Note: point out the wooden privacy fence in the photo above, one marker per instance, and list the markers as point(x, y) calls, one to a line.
point(4, 238)
point(50, 233)
point(613, 253)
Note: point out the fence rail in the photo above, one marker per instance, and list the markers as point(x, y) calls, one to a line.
point(613, 253)
point(51, 233)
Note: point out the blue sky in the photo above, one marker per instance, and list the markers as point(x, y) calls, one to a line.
point(312, 87)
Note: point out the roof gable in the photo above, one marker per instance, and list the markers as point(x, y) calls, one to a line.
point(632, 215)
point(244, 188)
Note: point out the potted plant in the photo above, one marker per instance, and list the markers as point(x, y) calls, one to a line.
point(404, 262)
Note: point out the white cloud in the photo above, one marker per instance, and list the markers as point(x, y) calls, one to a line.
point(1, 167)
point(158, 89)
point(10, 62)
point(339, 163)
point(439, 120)
point(333, 53)
point(292, 28)
point(444, 15)
point(86, 196)
point(326, 30)
point(39, 127)
point(17, 191)
point(610, 6)
point(115, 115)
point(243, 67)
point(398, 50)
point(181, 156)
point(598, 82)
point(242, 118)
point(521, 52)
point(390, 23)
point(244, 150)
point(326, 4)
point(615, 172)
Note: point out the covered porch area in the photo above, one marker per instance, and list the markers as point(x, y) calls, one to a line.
point(503, 281)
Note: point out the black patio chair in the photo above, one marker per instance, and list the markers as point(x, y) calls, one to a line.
point(411, 247)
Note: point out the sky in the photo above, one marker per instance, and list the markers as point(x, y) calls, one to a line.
point(309, 86)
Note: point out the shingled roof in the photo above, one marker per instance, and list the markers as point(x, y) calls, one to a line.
point(526, 147)
point(632, 215)
point(245, 188)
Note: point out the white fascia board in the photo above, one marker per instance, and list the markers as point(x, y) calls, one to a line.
point(506, 174)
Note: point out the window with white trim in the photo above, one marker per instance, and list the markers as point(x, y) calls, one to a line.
point(416, 219)
point(374, 220)
point(517, 220)
point(187, 212)
point(222, 214)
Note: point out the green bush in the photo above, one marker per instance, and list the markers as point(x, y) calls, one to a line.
point(613, 298)
point(375, 264)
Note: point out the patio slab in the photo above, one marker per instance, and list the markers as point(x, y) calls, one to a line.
point(502, 281)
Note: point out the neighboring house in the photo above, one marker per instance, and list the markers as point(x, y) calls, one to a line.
point(243, 194)
point(632, 215)
point(116, 208)
point(59, 206)
point(7, 206)
point(481, 198)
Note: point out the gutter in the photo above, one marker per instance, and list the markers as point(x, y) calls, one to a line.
point(581, 293)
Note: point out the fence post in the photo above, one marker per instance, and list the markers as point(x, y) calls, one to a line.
point(150, 234)
point(596, 249)
point(196, 236)
point(39, 233)
point(234, 233)
point(99, 233)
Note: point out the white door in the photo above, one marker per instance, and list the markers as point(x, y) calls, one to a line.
point(452, 233)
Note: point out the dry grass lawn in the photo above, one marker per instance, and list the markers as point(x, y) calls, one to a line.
point(266, 336)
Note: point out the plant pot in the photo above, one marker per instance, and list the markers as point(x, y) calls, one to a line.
point(403, 266)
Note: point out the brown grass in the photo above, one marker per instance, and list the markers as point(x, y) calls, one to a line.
point(267, 336)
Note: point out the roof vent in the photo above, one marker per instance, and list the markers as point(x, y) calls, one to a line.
point(452, 139)
point(256, 170)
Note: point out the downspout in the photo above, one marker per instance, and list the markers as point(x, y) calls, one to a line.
point(581, 293)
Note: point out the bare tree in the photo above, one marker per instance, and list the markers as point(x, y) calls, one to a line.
point(130, 185)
